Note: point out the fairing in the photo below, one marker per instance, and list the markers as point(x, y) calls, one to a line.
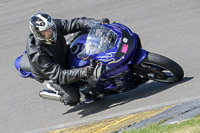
point(111, 44)
point(75, 48)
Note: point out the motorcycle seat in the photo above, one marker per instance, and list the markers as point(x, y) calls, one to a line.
point(24, 63)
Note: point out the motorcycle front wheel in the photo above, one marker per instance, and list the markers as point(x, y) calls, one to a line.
point(162, 69)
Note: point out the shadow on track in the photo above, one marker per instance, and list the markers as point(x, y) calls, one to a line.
point(110, 101)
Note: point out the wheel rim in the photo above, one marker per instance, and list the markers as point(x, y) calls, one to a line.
point(159, 73)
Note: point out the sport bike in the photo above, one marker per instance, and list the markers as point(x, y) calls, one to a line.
point(120, 62)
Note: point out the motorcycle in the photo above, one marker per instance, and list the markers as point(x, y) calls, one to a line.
point(120, 62)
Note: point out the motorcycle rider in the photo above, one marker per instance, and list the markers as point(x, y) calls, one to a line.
point(47, 51)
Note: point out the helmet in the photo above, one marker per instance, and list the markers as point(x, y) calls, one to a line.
point(43, 28)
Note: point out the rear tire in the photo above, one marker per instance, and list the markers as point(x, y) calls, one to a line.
point(162, 69)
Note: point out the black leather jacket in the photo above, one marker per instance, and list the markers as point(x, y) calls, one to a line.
point(48, 62)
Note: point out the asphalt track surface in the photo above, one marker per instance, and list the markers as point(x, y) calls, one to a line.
point(170, 28)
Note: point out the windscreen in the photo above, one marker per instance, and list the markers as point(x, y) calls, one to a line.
point(99, 39)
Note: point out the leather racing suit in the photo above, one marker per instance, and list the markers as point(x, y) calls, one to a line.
point(48, 62)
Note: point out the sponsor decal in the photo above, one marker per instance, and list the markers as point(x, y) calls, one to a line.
point(124, 48)
point(125, 40)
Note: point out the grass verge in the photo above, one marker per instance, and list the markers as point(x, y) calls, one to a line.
point(189, 126)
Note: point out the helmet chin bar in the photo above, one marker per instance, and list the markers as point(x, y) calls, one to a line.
point(49, 41)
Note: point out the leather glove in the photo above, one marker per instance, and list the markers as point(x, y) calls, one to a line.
point(87, 72)
point(105, 21)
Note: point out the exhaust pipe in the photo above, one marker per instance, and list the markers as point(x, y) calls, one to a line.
point(50, 95)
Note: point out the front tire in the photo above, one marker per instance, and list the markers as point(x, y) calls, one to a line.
point(162, 69)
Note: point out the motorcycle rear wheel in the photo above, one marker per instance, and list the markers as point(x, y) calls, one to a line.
point(162, 69)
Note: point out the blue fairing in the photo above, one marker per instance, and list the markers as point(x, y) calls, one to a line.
point(112, 55)
point(76, 47)
point(137, 54)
